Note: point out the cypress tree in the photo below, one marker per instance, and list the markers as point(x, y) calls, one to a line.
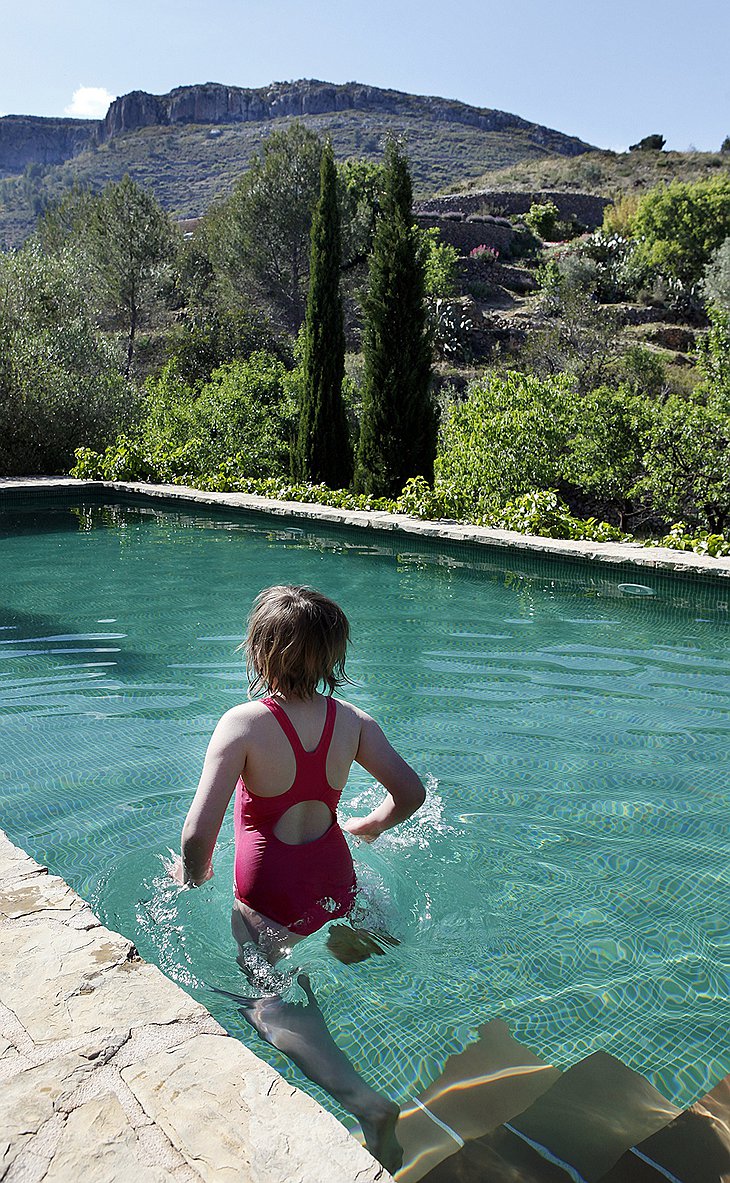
point(323, 451)
point(399, 420)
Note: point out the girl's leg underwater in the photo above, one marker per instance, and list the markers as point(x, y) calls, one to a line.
point(301, 1033)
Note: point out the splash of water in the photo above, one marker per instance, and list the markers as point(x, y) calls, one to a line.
point(418, 830)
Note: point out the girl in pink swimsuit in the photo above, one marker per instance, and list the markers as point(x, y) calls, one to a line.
point(287, 758)
point(299, 886)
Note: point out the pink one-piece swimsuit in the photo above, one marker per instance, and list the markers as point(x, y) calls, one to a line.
point(300, 886)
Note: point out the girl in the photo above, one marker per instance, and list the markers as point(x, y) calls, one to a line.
point(287, 757)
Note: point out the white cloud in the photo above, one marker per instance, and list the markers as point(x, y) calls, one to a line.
point(89, 102)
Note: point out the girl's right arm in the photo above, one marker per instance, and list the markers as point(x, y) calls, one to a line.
point(404, 790)
point(224, 763)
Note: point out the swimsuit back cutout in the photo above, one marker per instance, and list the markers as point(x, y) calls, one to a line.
point(310, 778)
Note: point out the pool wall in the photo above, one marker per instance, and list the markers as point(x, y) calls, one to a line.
point(110, 1071)
point(632, 557)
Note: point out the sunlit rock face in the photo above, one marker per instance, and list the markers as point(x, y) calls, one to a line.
point(26, 139)
point(210, 102)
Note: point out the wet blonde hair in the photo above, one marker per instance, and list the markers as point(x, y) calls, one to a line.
point(296, 639)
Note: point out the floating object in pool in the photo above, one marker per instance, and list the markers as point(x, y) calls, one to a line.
point(636, 589)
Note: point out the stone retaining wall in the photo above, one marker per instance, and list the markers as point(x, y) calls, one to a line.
point(586, 207)
point(466, 233)
point(110, 1073)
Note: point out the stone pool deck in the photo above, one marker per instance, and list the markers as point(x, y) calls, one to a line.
point(110, 1073)
point(658, 559)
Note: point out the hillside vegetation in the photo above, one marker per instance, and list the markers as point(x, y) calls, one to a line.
point(606, 173)
point(582, 380)
point(188, 166)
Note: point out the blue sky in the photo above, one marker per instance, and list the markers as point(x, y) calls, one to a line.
point(609, 72)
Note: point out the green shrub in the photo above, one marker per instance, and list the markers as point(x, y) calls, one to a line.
point(440, 263)
point(211, 337)
point(680, 537)
point(608, 438)
point(508, 437)
point(713, 358)
point(524, 244)
point(642, 371)
point(618, 218)
point(716, 281)
point(578, 337)
point(242, 420)
point(541, 512)
point(420, 500)
point(687, 461)
point(679, 226)
point(247, 409)
point(60, 384)
point(542, 219)
point(622, 270)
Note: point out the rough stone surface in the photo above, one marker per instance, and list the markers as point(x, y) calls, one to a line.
point(213, 102)
point(29, 1100)
point(226, 1077)
point(26, 139)
point(117, 1152)
point(37, 893)
point(587, 208)
point(109, 1072)
point(84, 981)
point(466, 234)
point(35, 139)
point(674, 337)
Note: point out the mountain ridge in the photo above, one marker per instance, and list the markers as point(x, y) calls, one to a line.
point(28, 139)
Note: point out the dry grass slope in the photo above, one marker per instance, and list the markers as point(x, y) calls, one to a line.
point(606, 173)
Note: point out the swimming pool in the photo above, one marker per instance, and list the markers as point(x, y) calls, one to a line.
point(569, 873)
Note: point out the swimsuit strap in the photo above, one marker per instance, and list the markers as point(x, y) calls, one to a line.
point(291, 733)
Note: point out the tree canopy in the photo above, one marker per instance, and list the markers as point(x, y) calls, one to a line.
point(399, 419)
point(323, 452)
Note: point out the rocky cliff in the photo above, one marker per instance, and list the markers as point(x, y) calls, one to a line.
point(28, 139)
point(213, 103)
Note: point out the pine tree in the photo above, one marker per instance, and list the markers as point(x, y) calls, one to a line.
point(399, 421)
point(323, 451)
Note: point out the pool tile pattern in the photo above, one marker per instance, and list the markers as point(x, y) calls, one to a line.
point(446, 533)
point(72, 1072)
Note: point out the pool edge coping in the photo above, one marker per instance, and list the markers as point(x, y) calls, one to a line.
point(103, 1047)
point(655, 558)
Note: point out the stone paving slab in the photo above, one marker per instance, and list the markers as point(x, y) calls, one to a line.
point(109, 1072)
point(653, 558)
point(269, 1116)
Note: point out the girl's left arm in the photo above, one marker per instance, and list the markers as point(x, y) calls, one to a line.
point(224, 763)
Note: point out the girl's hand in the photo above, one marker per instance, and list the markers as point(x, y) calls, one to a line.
point(363, 828)
point(176, 870)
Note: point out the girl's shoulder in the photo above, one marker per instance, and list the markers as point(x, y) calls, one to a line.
point(243, 717)
point(350, 714)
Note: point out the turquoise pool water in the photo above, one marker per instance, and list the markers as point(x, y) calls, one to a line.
point(569, 873)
